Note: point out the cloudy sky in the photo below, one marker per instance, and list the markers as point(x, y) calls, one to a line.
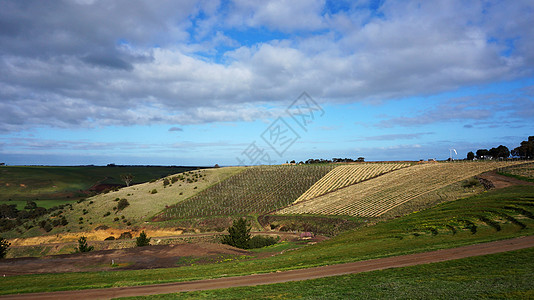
point(230, 82)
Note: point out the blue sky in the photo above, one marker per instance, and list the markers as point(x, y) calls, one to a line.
point(205, 82)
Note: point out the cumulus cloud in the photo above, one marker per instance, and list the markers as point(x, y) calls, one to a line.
point(98, 63)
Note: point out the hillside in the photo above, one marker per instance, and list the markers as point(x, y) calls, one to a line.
point(346, 175)
point(256, 190)
point(145, 200)
point(377, 196)
point(50, 186)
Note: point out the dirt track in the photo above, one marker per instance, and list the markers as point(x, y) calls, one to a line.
point(294, 275)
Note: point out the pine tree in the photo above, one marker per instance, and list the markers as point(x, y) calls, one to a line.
point(239, 234)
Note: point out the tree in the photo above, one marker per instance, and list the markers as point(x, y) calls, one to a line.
point(239, 234)
point(127, 178)
point(500, 152)
point(482, 153)
point(142, 240)
point(526, 150)
point(82, 245)
point(470, 155)
point(4, 245)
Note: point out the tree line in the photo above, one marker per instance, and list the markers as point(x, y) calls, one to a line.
point(524, 151)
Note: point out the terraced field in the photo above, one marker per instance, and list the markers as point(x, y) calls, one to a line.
point(377, 196)
point(524, 171)
point(346, 175)
point(253, 191)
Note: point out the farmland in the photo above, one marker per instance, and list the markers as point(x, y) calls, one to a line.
point(494, 215)
point(144, 201)
point(346, 175)
point(52, 186)
point(523, 172)
point(257, 190)
point(374, 197)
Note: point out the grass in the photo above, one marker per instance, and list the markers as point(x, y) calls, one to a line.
point(422, 231)
point(504, 275)
point(102, 209)
point(49, 186)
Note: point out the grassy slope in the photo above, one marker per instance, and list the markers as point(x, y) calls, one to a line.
point(143, 204)
point(421, 231)
point(51, 186)
point(505, 275)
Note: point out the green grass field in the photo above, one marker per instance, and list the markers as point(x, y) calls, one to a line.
point(493, 215)
point(50, 186)
point(504, 276)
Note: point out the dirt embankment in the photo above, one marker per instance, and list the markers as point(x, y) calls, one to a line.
point(501, 181)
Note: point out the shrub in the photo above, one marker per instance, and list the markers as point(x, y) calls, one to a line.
point(261, 241)
point(109, 238)
point(125, 235)
point(142, 240)
point(123, 203)
point(82, 245)
point(116, 219)
point(154, 191)
point(4, 245)
point(165, 182)
point(107, 214)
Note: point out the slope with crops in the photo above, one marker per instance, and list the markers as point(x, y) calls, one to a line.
point(377, 196)
point(346, 175)
point(254, 191)
point(495, 215)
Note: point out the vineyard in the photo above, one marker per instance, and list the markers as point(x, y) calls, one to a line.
point(256, 190)
point(524, 171)
point(346, 175)
point(375, 197)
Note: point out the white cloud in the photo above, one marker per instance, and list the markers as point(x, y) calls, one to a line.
point(140, 63)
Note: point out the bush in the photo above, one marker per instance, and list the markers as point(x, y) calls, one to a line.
point(123, 203)
point(107, 214)
point(109, 238)
point(261, 241)
point(142, 240)
point(125, 235)
point(4, 245)
point(154, 191)
point(82, 245)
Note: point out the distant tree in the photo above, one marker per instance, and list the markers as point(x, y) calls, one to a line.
point(216, 166)
point(361, 159)
point(500, 152)
point(526, 150)
point(30, 205)
point(482, 153)
point(142, 240)
point(239, 234)
point(470, 155)
point(4, 245)
point(127, 178)
point(82, 245)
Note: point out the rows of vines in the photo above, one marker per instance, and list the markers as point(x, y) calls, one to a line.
point(256, 190)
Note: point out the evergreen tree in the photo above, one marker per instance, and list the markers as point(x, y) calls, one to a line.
point(142, 240)
point(239, 234)
point(82, 245)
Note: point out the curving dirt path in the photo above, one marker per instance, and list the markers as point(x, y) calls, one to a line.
point(293, 275)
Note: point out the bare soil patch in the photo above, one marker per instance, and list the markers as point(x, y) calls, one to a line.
point(501, 181)
point(158, 256)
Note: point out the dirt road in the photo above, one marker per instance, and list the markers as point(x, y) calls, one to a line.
point(294, 275)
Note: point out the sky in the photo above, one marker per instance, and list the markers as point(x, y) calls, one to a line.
point(261, 82)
